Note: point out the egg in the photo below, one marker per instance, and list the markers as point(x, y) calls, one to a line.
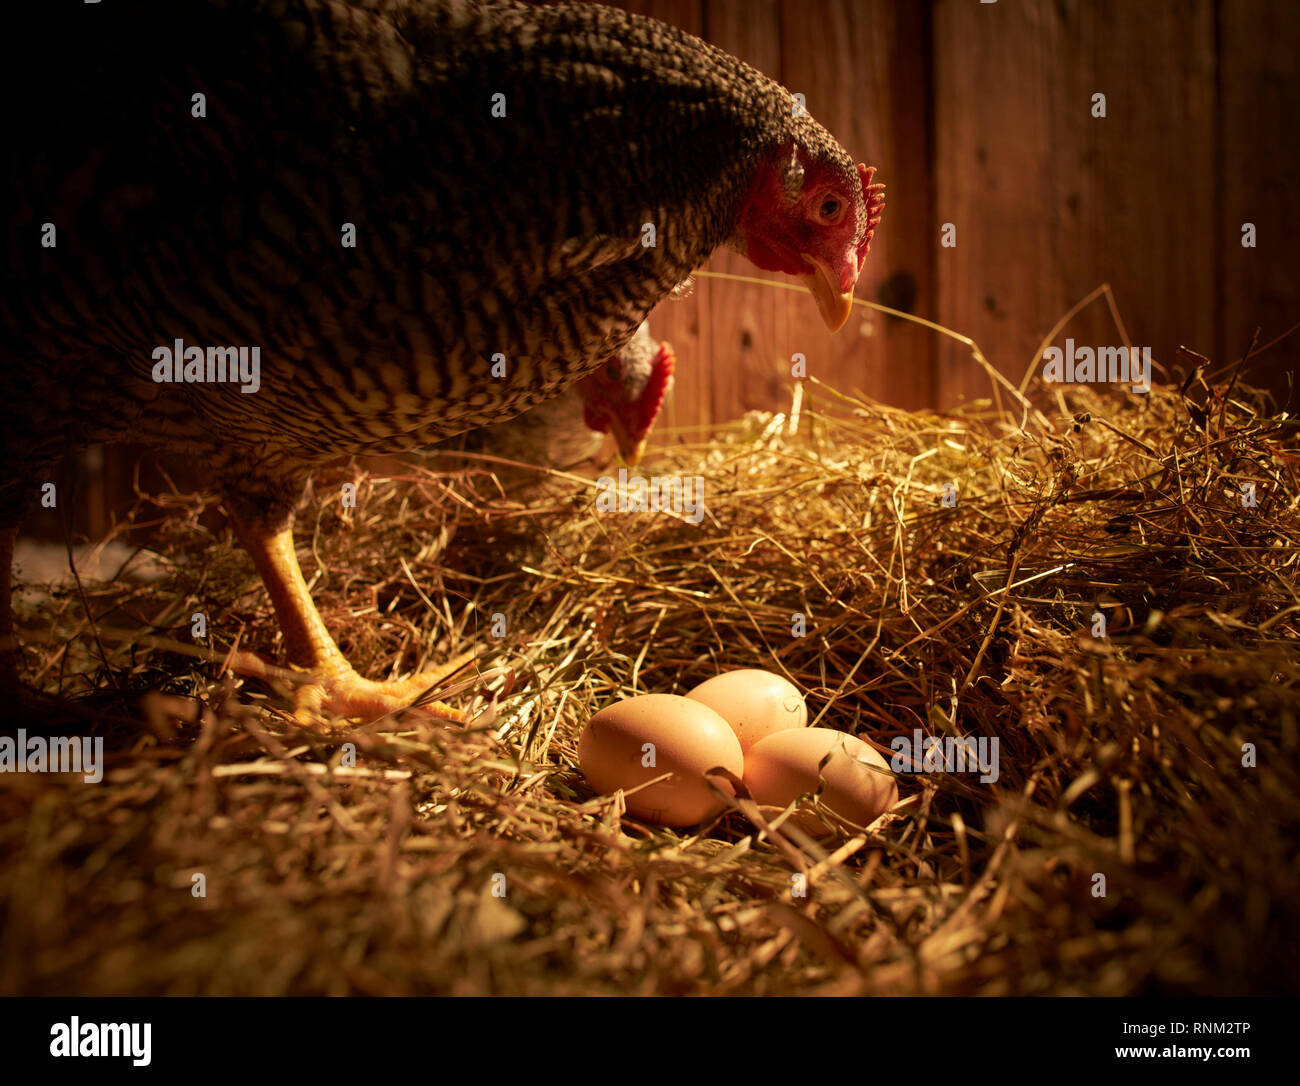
point(636, 740)
point(755, 703)
point(784, 765)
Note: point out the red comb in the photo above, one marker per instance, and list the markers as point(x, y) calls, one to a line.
point(874, 195)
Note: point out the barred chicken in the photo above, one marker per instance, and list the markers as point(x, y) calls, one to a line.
point(416, 216)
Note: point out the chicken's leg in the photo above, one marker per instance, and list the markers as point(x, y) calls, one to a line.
point(339, 688)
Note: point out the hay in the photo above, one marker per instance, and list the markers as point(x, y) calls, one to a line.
point(1121, 756)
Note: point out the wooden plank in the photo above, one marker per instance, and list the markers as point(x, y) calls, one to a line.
point(907, 255)
point(1259, 160)
point(1048, 201)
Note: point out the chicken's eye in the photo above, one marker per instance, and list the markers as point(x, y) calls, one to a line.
point(830, 209)
point(611, 370)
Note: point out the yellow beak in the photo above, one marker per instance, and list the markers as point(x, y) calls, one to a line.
point(629, 450)
point(831, 304)
point(633, 458)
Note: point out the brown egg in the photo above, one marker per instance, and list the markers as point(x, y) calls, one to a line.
point(636, 740)
point(784, 765)
point(755, 703)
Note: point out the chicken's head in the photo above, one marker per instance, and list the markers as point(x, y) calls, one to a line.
point(812, 217)
point(624, 396)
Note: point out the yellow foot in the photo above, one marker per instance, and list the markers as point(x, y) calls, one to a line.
point(340, 691)
point(332, 687)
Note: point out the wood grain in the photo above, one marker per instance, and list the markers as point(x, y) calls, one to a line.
point(1049, 201)
point(1259, 158)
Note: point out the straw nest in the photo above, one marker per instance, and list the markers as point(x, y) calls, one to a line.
point(1141, 835)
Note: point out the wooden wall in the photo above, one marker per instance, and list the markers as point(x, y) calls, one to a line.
point(979, 115)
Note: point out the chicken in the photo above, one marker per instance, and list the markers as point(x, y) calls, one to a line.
point(267, 233)
point(623, 397)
